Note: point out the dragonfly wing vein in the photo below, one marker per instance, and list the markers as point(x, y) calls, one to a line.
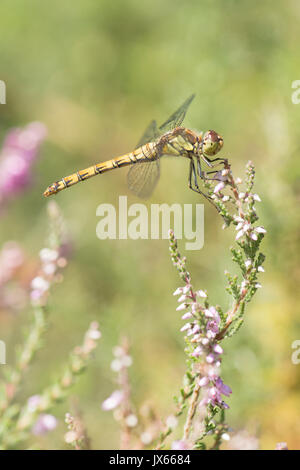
point(143, 177)
point(176, 119)
point(150, 135)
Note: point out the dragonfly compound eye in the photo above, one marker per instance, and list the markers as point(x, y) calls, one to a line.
point(212, 143)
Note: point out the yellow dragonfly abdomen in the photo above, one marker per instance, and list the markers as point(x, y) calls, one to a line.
point(142, 154)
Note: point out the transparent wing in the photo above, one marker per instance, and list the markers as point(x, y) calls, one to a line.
point(176, 118)
point(151, 133)
point(143, 176)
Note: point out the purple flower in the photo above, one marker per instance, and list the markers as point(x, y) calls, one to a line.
point(34, 402)
point(212, 328)
point(44, 424)
point(19, 151)
point(224, 389)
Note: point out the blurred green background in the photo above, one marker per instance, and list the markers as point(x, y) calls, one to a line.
point(96, 72)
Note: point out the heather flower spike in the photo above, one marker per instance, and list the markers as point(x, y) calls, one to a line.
point(204, 389)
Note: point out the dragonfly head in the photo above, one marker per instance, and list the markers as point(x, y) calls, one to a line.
point(211, 143)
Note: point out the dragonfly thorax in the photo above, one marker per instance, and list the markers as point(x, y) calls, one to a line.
point(179, 142)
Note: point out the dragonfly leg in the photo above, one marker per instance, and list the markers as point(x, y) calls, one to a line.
point(203, 174)
point(210, 161)
point(199, 169)
point(212, 179)
point(192, 173)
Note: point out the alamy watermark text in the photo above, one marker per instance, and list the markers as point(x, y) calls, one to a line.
point(140, 222)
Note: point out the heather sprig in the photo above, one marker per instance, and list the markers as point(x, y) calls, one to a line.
point(18, 420)
point(51, 266)
point(140, 426)
point(120, 399)
point(76, 435)
point(207, 325)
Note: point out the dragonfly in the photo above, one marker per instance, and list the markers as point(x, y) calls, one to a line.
point(169, 139)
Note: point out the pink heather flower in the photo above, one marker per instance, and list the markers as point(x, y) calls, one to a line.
point(213, 314)
point(131, 420)
point(186, 316)
point(19, 150)
point(224, 389)
point(33, 402)
point(213, 373)
point(185, 327)
point(215, 398)
point(212, 328)
point(39, 283)
point(113, 401)
point(218, 349)
point(198, 351)
point(203, 381)
point(195, 329)
point(225, 172)
point(178, 291)
point(219, 187)
point(256, 198)
point(239, 234)
point(93, 333)
point(121, 362)
point(181, 307)
point(195, 307)
point(201, 293)
point(210, 358)
point(182, 298)
point(253, 236)
point(44, 424)
point(260, 230)
point(47, 255)
point(208, 313)
point(215, 395)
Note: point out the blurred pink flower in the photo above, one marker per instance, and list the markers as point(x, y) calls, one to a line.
point(44, 424)
point(20, 149)
point(180, 445)
point(113, 401)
